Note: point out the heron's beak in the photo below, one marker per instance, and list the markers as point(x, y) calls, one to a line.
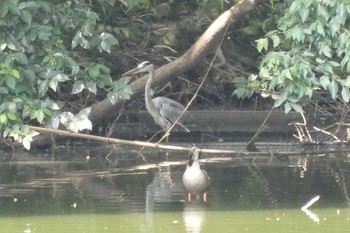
point(131, 72)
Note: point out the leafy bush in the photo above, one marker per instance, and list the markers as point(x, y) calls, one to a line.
point(308, 53)
point(47, 54)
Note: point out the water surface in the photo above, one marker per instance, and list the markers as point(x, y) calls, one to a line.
point(104, 189)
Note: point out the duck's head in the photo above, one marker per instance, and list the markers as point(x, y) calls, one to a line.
point(193, 155)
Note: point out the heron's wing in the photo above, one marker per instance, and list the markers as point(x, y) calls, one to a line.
point(170, 110)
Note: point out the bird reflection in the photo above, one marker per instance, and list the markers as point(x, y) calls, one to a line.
point(194, 216)
point(160, 190)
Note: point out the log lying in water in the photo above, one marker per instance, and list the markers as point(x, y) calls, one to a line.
point(236, 121)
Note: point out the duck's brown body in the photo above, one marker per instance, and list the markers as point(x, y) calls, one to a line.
point(195, 180)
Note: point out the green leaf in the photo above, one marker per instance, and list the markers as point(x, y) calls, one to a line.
point(43, 86)
point(322, 11)
point(15, 73)
point(298, 33)
point(11, 116)
point(78, 87)
point(327, 68)
point(25, 130)
point(10, 82)
point(320, 28)
point(26, 142)
point(6, 132)
point(275, 40)
point(103, 68)
point(94, 72)
point(84, 113)
point(53, 84)
point(48, 112)
point(333, 89)
point(279, 102)
point(347, 81)
point(345, 93)
point(308, 53)
point(324, 81)
point(334, 25)
point(44, 6)
point(304, 13)
point(4, 8)
point(61, 77)
point(108, 40)
point(33, 114)
point(334, 63)
point(29, 75)
point(297, 107)
point(26, 16)
point(21, 58)
point(327, 51)
point(286, 73)
point(12, 43)
point(3, 119)
point(262, 43)
point(13, 7)
point(40, 117)
point(44, 35)
point(31, 5)
point(91, 86)
point(294, 7)
point(307, 3)
point(287, 107)
point(3, 91)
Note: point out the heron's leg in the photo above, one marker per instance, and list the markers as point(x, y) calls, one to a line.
point(154, 135)
point(166, 135)
point(140, 152)
point(141, 155)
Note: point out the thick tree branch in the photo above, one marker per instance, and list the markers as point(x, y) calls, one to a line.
point(204, 46)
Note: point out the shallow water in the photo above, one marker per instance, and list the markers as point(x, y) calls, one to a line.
point(100, 189)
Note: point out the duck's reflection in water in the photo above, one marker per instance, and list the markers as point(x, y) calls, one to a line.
point(194, 215)
point(165, 187)
point(161, 189)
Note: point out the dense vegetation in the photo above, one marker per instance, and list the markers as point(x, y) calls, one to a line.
point(59, 57)
point(307, 55)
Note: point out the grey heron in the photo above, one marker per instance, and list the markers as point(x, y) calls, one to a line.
point(164, 111)
point(195, 179)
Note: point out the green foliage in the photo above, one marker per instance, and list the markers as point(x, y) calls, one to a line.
point(211, 7)
point(120, 90)
point(48, 46)
point(307, 53)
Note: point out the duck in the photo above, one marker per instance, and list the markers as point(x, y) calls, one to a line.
point(195, 179)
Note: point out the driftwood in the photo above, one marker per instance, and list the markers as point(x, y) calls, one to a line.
point(242, 153)
point(207, 44)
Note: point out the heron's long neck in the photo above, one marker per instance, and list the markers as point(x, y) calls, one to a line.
point(148, 95)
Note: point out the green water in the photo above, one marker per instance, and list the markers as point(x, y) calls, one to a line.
point(67, 193)
point(331, 220)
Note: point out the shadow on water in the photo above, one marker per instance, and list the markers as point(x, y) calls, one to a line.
point(105, 189)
